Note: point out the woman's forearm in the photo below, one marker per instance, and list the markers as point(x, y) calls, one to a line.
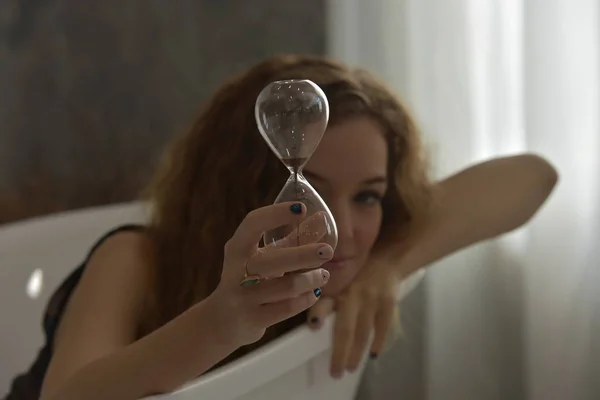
point(158, 363)
point(479, 203)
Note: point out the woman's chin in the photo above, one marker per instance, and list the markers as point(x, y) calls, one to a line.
point(334, 287)
point(340, 279)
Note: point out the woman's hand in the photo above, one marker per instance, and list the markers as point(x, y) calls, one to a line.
point(367, 306)
point(246, 311)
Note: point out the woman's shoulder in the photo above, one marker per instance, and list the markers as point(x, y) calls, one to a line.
point(127, 242)
point(126, 239)
point(119, 258)
point(109, 283)
point(123, 254)
point(116, 270)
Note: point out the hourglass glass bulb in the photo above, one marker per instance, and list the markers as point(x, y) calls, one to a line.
point(292, 117)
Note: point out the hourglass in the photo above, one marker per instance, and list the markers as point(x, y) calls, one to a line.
point(292, 116)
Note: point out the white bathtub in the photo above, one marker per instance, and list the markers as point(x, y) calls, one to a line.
point(37, 254)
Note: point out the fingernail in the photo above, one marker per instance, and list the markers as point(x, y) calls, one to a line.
point(314, 320)
point(317, 292)
point(325, 275)
point(296, 208)
point(373, 356)
point(325, 252)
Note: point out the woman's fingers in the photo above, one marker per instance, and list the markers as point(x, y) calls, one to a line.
point(343, 335)
point(311, 230)
point(363, 329)
point(250, 231)
point(274, 300)
point(288, 286)
point(274, 262)
point(384, 320)
point(273, 313)
point(320, 311)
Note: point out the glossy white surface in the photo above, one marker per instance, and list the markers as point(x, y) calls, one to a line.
point(293, 367)
point(36, 255)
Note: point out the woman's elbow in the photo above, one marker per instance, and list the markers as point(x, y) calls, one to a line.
point(544, 175)
point(538, 178)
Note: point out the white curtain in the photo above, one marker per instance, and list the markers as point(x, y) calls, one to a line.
point(519, 317)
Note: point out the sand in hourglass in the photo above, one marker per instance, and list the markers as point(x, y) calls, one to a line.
point(294, 164)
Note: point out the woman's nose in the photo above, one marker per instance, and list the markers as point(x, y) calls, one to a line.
point(343, 219)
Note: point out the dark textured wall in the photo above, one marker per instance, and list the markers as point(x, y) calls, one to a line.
point(91, 90)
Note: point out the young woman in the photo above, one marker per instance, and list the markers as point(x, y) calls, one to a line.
point(153, 307)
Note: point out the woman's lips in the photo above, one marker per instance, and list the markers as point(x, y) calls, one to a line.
point(336, 263)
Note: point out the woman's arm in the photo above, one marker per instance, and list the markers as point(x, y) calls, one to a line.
point(479, 203)
point(96, 355)
point(158, 363)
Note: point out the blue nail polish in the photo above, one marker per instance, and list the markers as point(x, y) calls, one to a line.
point(296, 208)
point(373, 356)
point(317, 292)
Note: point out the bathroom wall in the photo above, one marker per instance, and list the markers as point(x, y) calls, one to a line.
point(91, 91)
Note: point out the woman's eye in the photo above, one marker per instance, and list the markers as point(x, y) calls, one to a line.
point(368, 198)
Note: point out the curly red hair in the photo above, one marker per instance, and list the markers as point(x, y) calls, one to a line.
point(221, 169)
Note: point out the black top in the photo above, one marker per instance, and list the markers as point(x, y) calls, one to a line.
point(28, 385)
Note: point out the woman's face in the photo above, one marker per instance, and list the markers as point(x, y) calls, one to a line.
point(349, 170)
